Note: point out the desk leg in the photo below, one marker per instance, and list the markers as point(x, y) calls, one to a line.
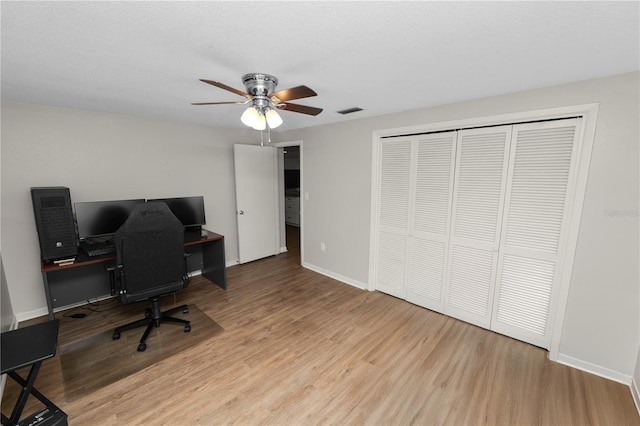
point(214, 266)
point(47, 292)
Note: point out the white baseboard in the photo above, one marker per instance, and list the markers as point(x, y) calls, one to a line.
point(14, 323)
point(335, 276)
point(597, 370)
point(635, 392)
point(25, 316)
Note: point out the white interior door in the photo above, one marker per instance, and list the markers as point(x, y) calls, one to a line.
point(478, 198)
point(256, 201)
point(430, 219)
point(532, 247)
point(393, 215)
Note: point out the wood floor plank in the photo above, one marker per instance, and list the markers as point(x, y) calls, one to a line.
point(301, 348)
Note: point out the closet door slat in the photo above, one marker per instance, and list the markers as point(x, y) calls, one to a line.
point(394, 183)
point(541, 167)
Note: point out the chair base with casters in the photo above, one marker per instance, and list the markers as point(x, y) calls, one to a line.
point(153, 318)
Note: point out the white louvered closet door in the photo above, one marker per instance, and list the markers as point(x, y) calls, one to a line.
point(393, 215)
point(478, 200)
point(429, 219)
point(542, 158)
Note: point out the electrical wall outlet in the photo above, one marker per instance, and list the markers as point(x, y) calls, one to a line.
point(323, 247)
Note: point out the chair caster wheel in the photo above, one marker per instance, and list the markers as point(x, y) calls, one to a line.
point(185, 311)
point(187, 328)
point(116, 335)
point(142, 347)
point(147, 313)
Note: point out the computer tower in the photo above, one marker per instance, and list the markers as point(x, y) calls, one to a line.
point(54, 222)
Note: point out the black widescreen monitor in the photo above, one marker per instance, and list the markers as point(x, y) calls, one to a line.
point(102, 218)
point(190, 210)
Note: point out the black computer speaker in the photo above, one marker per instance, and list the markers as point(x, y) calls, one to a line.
point(54, 222)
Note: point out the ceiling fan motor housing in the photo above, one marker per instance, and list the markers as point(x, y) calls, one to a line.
point(259, 84)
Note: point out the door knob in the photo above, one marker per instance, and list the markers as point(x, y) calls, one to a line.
point(241, 212)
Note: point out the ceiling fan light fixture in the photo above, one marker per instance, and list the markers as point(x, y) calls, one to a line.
point(273, 118)
point(261, 123)
point(250, 117)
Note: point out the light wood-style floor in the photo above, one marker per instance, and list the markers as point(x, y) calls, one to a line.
point(300, 348)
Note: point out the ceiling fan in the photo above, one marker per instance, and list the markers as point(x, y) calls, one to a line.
point(263, 101)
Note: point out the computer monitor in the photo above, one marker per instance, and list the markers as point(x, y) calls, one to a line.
point(102, 218)
point(190, 210)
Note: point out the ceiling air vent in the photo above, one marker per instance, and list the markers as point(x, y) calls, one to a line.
point(349, 110)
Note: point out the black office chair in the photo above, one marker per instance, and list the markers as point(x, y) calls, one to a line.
point(151, 262)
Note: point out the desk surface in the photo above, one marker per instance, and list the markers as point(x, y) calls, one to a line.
point(27, 345)
point(51, 266)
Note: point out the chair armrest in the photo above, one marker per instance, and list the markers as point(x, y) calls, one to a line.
point(186, 277)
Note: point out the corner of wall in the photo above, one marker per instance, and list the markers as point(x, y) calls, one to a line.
point(337, 277)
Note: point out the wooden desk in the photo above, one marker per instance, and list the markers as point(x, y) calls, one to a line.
point(87, 278)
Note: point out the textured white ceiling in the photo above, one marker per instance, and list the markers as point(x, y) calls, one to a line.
point(145, 58)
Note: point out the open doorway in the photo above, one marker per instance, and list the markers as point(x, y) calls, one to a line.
point(292, 197)
point(290, 165)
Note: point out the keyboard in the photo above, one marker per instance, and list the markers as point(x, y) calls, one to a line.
point(99, 250)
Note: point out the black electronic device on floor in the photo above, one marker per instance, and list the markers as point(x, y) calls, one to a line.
point(24, 347)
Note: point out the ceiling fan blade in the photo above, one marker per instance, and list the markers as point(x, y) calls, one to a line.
point(292, 93)
point(229, 88)
point(218, 103)
point(304, 109)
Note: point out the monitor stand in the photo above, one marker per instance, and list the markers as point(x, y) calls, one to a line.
point(194, 233)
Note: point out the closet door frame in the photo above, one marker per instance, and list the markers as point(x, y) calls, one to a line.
point(588, 113)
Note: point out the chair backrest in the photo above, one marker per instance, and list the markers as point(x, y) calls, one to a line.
point(150, 253)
